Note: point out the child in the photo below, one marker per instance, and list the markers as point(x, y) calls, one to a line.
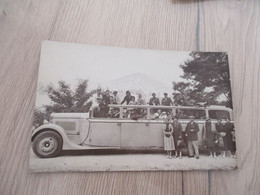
point(168, 139)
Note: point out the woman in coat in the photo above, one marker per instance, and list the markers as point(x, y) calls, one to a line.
point(209, 134)
point(177, 136)
point(229, 129)
point(222, 138)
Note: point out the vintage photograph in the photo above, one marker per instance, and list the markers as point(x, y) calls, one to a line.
point(101, 108)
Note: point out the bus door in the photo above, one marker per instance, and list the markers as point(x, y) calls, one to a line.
point(104, 131)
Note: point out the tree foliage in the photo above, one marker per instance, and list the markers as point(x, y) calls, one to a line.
point(64, 99)
point(207, 78)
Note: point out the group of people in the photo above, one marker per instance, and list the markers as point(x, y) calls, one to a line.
point(111, 97)
point(219, 138)
point(174, 137)
point(102, 100)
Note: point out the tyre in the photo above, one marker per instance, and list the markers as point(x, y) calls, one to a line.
point(47, 144)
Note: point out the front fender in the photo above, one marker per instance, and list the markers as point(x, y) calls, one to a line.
point(67, 144)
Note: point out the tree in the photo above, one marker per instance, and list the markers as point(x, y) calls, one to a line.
point(63, 99)
point(207, 76)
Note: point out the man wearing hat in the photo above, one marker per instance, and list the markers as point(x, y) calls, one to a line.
point(154, 100)
point(192, 130)
point(166, 101)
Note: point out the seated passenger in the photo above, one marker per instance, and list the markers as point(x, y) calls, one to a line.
point(137, 113)
point(113, 113)
point(132, 101)
point(156, 115)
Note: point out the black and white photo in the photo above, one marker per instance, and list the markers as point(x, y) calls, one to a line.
point(101, 108)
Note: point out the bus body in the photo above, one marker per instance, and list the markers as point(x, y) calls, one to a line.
point(82, 131)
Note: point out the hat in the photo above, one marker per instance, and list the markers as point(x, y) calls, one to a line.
point(98, 89)
point(191, 117)
point(115, 92)
point(153, 94)
point(165, 93)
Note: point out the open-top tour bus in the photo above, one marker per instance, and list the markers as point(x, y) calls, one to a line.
point(83, 131)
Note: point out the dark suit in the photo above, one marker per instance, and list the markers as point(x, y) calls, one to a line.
point(192, 130)
point(177, 133)
point(154, 101)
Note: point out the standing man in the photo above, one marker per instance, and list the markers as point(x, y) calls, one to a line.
point(166, 101)
point(127, 98)
point(154, 100)
point(192, 130)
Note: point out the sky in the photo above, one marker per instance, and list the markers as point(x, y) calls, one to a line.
point(100, 64)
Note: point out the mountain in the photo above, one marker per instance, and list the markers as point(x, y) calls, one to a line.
point(138, 82)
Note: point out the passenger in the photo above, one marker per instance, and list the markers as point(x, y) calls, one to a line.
point(113, 113)
point(154, 100)
point(116, 99)
point(192, 130)
point(166, 101)
point(156, 115)
point(106, 97)
point(177, 136)
point(104, 109)
point(127, 98)
point(134, 114)
point(96, 98)
point(209, 134)
point(229, 129)
point(111, 98)
point(168, 139)
point(222, 140)
point(143, 113)
point(140, 100)
point(163, 115)
point(132, 101)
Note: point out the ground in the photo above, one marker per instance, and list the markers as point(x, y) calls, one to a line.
point(125, 161)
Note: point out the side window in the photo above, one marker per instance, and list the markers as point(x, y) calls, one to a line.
point(135, 113)
point(160, 113)
point(68, 126)
point(186, 113)
point(219, 114)
point(106, 112)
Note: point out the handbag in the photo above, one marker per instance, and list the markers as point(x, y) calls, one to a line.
point(220, 141)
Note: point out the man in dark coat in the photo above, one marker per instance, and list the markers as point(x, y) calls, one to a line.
point(154, 100)
point(229, 129)
point(166, 101)
point(192, 130)
point(127, 98)
point(177, 136)
point(209, 134)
